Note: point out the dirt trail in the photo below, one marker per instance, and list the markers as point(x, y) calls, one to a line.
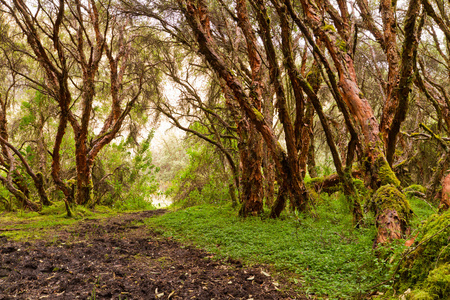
point(120, 258)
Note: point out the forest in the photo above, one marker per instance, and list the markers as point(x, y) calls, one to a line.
point(308, 137)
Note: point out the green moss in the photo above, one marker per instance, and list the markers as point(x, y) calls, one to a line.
point(311, 181)
point(258, 115)
point(341, 45)
point(328, 27)
point(436, 286)
point(426, 269)
point(420, 295)
point(389, 197)
point(363, 191)
point(385, 173)
point(318, 181)
point(415, 188)
point(314, 197)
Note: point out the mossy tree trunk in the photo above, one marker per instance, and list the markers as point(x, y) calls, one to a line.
point(392, 211)
point(280, 202)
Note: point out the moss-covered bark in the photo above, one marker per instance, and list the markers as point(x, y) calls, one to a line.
point(392, 212)
point(426, 269)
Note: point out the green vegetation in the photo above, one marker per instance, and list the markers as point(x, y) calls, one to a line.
point(426, 268)
point(26, 226)
point(323, 254)
point(387, 176)
point(132, 181)
point(203, 179)
point(77, 122)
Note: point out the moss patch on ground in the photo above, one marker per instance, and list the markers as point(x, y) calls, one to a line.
point(426, 269)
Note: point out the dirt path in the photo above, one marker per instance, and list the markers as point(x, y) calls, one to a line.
point(120, 258)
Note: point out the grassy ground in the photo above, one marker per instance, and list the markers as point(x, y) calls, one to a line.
point(25, 226)
point(324, 254)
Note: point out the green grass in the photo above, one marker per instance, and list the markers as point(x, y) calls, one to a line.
point(25, 226)
point(325, 252)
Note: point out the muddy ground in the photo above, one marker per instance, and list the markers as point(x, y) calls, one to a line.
point(120, 258)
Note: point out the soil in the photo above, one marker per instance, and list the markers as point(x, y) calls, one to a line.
point(121, 258)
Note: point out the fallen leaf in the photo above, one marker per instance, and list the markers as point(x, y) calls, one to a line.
point(158, 295)
point(265, 274)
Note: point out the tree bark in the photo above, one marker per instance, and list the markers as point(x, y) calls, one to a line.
point(444, 204)
point(250, 151)
point(251, 145)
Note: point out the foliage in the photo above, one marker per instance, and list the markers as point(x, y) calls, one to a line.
point(171, 158)
point(203, 180)
point(125, 175)
point(5, 200)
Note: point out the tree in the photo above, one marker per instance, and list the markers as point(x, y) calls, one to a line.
point(70, 41)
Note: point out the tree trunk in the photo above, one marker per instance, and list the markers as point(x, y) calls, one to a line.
point(445, 195)
point(269, 178)
point(84, 185)
point(56, 163)
point(312, 158)
point(392, 213)
point(252, 188)
point(279, 204)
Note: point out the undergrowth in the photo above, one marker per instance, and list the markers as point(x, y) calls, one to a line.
point(329, 257)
